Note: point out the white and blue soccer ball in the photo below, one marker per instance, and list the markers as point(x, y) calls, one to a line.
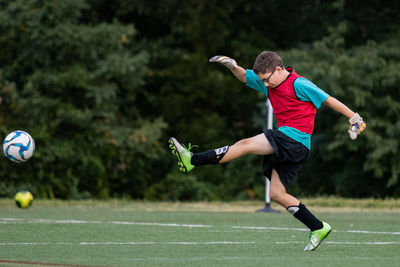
point(19, 146)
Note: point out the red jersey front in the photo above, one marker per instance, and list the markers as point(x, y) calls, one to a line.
point(289, 110)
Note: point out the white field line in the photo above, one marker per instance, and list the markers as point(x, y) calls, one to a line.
point(128, 243)
point(49, 221)
point(170, 243)
point(164, 224)
point(368, 232)
point(250, 259)
point(269, 228)
point(346, 243)
point(303, 229)
point(39, 221)
point(35, 244)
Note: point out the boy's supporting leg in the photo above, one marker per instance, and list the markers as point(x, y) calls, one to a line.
point(319, 230)
point(279, 194)
point(301, 213)
point(292, 204)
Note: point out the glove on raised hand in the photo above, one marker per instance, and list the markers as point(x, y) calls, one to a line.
point(357, 126)
point(224, 60)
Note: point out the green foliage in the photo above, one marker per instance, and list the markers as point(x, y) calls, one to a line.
point(179, 187)
point(101, 86)
point(73, 86)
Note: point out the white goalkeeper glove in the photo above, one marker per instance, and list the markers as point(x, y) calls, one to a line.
point(357, 126)
point(224, 60)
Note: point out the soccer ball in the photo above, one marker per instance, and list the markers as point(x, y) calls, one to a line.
point(19, 146)
point(23, 199)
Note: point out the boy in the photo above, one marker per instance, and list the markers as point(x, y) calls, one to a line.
point(294, 100)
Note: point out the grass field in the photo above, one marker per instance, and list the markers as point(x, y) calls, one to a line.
point(124, 233)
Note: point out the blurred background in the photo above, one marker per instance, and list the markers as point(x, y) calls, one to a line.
point(102, 85)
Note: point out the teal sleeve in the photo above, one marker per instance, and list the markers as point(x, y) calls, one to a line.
point(254, 82)
point(307, 91)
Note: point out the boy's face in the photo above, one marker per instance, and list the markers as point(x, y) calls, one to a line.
point(272, 79)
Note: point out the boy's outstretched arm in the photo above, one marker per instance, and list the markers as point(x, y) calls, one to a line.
point(357, 125)
point(338, 106)
point(231, 64)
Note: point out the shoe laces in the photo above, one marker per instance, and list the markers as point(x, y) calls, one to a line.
point(189, 147)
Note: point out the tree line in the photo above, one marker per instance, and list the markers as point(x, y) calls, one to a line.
point(101, 86)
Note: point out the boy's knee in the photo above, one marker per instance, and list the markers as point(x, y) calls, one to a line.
point(242, 142)
point(243, 145)
point(276, 195)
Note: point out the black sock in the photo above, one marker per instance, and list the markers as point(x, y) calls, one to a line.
point(209, 157)
point(204, 158)
point(305, 216)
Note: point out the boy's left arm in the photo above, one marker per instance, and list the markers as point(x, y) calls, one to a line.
point(357, 125)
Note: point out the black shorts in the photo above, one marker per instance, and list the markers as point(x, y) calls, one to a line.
point(288, 158)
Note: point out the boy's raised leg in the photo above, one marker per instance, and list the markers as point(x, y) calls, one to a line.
point(187, 160)
point(258, 145)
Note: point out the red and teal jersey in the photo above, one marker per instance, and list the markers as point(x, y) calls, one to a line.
point(295, 102)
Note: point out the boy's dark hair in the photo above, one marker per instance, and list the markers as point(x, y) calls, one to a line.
point(267, 61)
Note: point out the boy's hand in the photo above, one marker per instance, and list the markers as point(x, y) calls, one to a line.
point(224, 60)
point(357, 126)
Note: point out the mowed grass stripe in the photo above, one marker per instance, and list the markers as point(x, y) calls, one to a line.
point(198, 243)
point(98, 236)
point(50, 221)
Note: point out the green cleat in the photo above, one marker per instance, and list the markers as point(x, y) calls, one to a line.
point(182, 153)
point(315, 238)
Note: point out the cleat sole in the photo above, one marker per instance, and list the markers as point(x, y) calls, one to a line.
point(174, 152)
